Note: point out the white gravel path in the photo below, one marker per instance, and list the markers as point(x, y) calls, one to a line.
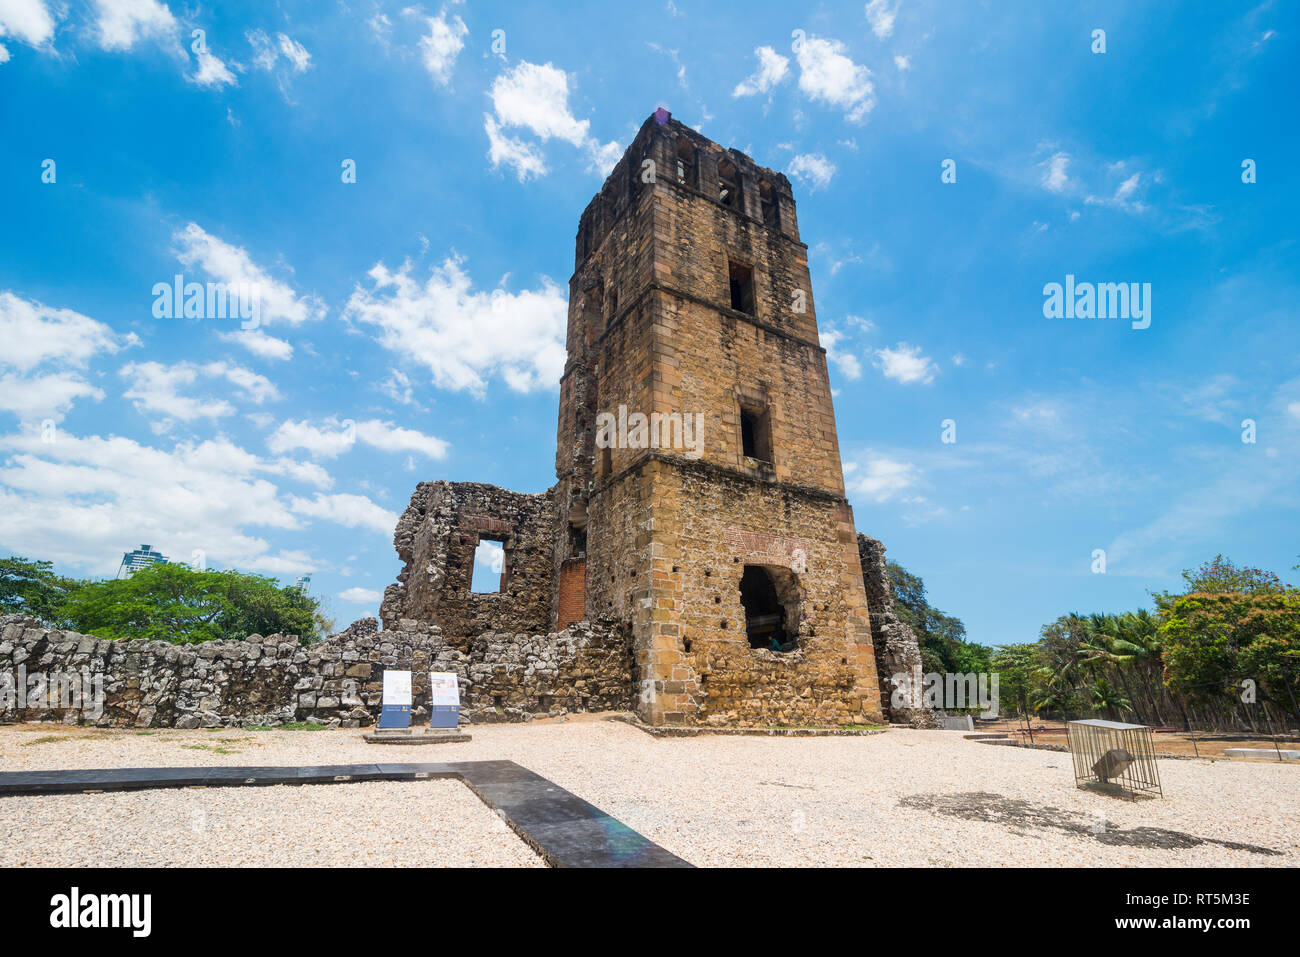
point(899, 798)
point(372, 824)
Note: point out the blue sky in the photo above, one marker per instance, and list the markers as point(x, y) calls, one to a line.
point(412, 321)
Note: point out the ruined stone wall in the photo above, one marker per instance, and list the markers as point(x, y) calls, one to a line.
point(897, 650)
point(669, 534)
point(274, 680)
point(436, 538)
point(707, 526)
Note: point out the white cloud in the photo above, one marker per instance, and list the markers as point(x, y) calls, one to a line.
point(879, 478)
point(846, 362)
point(350, 511)
point(268, 54)
point(259, 343)
point(443, 44)
point(58, 340)
point(536, 98)
point(463, 336)
point(903, 63)
point(122, 22)
point(827, 74)
point(772, 69)
point(881, 14)
point(813, 168)
point(334, 437)
point(361, 596)
point(390, 438)
point(308, 472)
point(512, 151)
point(4, 54)
point(155, 387)
point(44, 396)
point(27, 20)
point(232, 265)
point(1124, 196)
point(1055, 177)
point(84, 501)
point(212, 72)
point(34, 333)
point(906, 365)
point(397, 386)
point(257, 388)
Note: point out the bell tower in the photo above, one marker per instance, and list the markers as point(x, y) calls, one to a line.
point(700, 490)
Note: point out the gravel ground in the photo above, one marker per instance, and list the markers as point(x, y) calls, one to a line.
point(373, 824)
point(899, 798)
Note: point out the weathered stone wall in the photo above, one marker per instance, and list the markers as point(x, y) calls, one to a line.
point(669, 534)
point(275, 680)
point(436, 538)
point(897, 650)
point(692, 647)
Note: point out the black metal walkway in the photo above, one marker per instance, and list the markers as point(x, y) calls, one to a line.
point(563, 828)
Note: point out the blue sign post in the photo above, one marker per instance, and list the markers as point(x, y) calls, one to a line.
point(444, 700)
point(396, 712)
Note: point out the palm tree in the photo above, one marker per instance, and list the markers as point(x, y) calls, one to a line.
point(1109, 700)
point(1135, 642)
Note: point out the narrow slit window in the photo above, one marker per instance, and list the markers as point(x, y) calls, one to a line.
point(741, 279)
point(728, 184)
point(686, 166)
point(767, 201)
point(755, 434)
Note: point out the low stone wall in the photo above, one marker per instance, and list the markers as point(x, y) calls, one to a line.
point(50, 675)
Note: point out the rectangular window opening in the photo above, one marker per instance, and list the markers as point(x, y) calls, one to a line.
point(686, 167)
point(728, 184)
point(755, 433)
point(741, 279)
point(767, 202)
point(489, 574)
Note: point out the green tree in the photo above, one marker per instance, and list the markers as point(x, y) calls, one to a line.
point(1214, 640)
point(942, 638)
point(172, 602)
point(1014, 666)
point(31, 587)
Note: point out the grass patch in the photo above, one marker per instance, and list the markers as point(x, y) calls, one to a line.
point(291, 726)
point(209, 747)
point(45, 739)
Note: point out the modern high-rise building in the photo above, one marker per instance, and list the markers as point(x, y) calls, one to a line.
point(142, 557)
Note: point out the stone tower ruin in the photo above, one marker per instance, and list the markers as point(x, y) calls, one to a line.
point(691, 304)
point(699, 508)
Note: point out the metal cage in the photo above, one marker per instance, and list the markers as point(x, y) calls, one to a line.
point(1114, 757)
